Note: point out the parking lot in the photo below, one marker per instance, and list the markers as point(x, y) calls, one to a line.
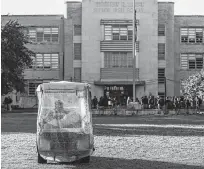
point(175, 142)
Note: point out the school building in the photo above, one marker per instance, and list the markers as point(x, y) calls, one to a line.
point(93, 43)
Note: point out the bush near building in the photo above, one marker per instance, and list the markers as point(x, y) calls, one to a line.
point(194, 85)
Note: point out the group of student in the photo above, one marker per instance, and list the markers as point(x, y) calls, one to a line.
point(152, 102)
point(173, 103)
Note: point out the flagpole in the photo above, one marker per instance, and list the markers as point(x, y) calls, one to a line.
point(133, 48)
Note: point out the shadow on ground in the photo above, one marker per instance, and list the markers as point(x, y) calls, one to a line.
point(160, 131)
point(116, 163)
point(26, 123)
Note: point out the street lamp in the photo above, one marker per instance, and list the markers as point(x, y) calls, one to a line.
point(133, 47)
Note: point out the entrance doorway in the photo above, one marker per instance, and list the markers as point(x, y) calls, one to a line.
point(119, 93)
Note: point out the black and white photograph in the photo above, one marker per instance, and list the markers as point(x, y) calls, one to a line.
point(102, 84)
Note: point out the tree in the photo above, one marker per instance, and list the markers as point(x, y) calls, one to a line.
point(15, 57)
point(194, 85)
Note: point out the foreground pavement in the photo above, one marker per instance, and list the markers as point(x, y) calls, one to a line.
point(175, 142)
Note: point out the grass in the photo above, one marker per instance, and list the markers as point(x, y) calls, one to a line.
point(117, 146)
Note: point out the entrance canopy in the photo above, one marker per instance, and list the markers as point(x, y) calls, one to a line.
point(123, 83)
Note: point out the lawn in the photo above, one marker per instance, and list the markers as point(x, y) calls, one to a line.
point(175, 142)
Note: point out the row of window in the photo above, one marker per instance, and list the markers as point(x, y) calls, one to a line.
point(192, 61)
point(118, 59)
point(45, 61)
point(161, 51)
point(161, 75)
point(42, 34)
point(119, 32)
point(161, 30)
point(124, 32)
point(192, 35)
point(32, 86)
point(77, 51)
point(114, 59)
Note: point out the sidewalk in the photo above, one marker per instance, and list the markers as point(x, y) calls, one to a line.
point(27, 110)
point(110, 112)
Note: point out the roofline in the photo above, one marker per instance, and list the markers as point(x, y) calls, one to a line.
point(170, 2)
point(31, 15)
point(73, 2)
point(188, 15)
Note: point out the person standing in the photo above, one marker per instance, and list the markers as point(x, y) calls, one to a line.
point(95, 102)
point(128, 101)
point(137, 104)
point(188, 104)
point(145, 102)
point(151, 102)
point(8, 102)
point(198, 104)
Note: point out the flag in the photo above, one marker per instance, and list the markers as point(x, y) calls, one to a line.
point(135, 26)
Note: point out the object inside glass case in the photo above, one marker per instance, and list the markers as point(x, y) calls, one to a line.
point(64, 123)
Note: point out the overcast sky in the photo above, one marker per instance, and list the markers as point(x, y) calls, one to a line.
point(33, 7)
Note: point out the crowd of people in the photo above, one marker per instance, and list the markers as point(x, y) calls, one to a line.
point(151, 102)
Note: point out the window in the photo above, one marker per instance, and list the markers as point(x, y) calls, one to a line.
point(199, 61)
point(32, 34)
point(77, 51)
point(32, 86)
point(199, 35)
point(161, 75)
point(39, 61)
point(77, 74)
point(55, 61)
point(137, 46)
point(161, 51)
point(184, 35)
point(130, 33)
point(45, 61)
point(161, 30)
point(77, 30)
point(108, 32)
point(130, 60)
point(123, 32)
point(192, 35)
point(47, 34)
point(43, 34)
point(184, 61)
point(55, 34)
point(118, 59)
point(118, 32)
point(192, 61)
point(39, 34)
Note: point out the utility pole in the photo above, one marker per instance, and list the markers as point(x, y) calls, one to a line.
point(165, 87)
point(134, 38)
point(165, 94)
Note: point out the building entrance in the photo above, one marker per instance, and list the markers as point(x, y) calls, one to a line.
point(119, 93)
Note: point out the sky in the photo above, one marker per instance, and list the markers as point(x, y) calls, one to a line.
point(43, 7)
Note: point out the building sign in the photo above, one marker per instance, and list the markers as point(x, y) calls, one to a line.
point(103, 6)
point(114, 88)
